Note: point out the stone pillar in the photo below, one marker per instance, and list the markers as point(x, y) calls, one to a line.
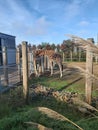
point(25, 71)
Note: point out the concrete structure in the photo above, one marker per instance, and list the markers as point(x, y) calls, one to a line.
point(8, 41)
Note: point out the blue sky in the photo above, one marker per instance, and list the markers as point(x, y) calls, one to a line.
point(39, 21)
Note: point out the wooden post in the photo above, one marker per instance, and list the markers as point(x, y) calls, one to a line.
point(0, 80)
point(35, 63)
point(42, 63)
point(25, 71)
point(45, 62)
point(48, 63)
point(18, 62)
point(63, 56)
point(28, 61)
point(40, 67)
point(5, 66)
point(89, 69)
point(96, 59)
point(71, 56)
point(51, 68)
point(79, 54)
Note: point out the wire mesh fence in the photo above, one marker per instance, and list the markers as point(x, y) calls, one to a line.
point(9, 68)
point(12, 73)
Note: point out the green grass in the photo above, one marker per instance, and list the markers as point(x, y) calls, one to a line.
point(16, 118)
point(50, 82)
point(14, 112)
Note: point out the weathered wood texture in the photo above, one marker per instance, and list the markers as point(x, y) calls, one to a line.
point(91, 50)
point(25, 71)
point(5, 62)
point(18, 62)
point(89, 69)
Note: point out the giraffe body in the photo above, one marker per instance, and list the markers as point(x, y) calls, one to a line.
point(53, 58)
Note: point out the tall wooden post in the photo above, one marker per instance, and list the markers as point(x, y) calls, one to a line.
point(29, 62)
point(45, 62)
point(96, 59)
point(18, 62)
point(71, 55)
point(42, 63)
point(25, 71)
point(79, 53)
point(89, 70)
point(48, 63)
point(63, 56)
point(5, 66)
point(39, 67)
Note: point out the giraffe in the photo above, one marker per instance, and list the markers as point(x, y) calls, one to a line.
point(53, 58)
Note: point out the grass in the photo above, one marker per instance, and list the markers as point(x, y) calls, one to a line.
point(50, 82)
point(14, 112)
point(15, 118)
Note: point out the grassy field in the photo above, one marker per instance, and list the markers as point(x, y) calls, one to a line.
point(14, 112)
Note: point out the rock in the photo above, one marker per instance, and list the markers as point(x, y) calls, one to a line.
point(55, 94)
point(83, 110)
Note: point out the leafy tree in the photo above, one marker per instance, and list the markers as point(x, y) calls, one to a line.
point(44, 44)
point(58, 47)
point(39, 46)
point(34, 47)
point(53, 46)
point(68, 47)
point(48, 47)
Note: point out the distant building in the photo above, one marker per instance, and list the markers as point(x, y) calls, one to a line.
point(8, 41)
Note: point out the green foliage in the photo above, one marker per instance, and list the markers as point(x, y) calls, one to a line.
point(5, 108)
point(15, 121)
point(13, 111)
point(50, 82)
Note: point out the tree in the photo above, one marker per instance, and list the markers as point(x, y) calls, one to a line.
point(39, 46)
point(48, 47)
point(53, 46)
point(63, 48)
point(44, 44)
point(68, 47)
point(91, 40)
point(34, 47)
point(58, 47)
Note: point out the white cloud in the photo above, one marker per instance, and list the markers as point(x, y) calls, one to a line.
point(40, 27)
point(75, 8)
point(72, 9)
point(84, 23)
point(21, 21)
